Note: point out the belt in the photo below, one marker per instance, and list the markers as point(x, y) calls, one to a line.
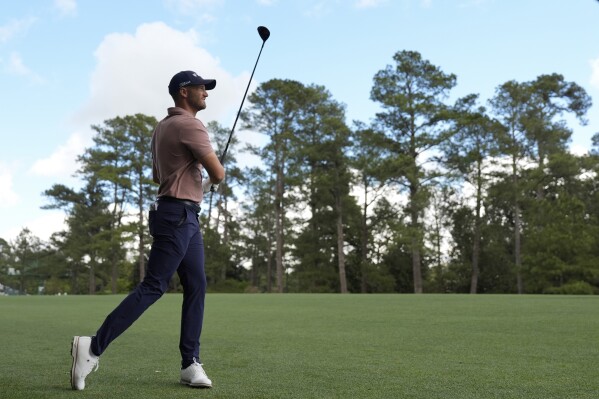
point(194, 205)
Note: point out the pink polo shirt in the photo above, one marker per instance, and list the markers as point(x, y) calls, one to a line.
point(178, 142)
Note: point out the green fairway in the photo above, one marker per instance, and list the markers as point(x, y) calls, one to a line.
point(315, 346)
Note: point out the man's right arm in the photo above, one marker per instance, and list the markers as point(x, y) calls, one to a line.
point(213, 167)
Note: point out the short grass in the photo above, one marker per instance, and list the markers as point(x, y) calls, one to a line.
point(315, 346)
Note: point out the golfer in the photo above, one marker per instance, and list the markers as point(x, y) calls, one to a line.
point(180, 148)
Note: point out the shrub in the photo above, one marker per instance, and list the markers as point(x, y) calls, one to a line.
point(572, 288)
point(228, 286)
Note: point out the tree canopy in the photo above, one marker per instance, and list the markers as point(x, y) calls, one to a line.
point(430, 195)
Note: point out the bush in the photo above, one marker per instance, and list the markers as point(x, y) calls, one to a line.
point(228, 286)
point(55, 285)
point(572, 288)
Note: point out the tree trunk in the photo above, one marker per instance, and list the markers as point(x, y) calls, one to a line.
point(415, 241)
point(279, 215)
point(416, 266)
point(476, 238)
point(475, 259)
point(225, 235)
point(269, 270)
point(517, 249)
point(340, 242)
point(92, 279)
point(364, 243)
point(269, 259)
point(416, 258)
point(114, 278)
point(140, 233)
point(517, 223)
point(74, 280)
point(141, 261)
point(254, 258)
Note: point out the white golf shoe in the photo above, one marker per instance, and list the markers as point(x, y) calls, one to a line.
point(84, 361)
point(195, 376)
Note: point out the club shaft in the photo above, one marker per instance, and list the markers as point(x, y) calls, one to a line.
point(222, 157)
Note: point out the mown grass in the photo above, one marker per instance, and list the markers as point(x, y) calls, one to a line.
point(315, 346)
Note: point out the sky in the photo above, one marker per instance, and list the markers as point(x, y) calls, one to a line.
point(66, 65)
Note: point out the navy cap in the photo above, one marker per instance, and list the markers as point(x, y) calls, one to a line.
point(189, 78)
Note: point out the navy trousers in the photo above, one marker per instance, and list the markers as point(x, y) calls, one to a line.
point(177, 246)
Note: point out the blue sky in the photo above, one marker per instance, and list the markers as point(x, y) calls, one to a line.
point(68, 64)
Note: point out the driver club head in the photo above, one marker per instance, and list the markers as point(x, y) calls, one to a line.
point(264, 33)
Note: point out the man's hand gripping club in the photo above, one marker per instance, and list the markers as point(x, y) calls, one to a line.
point(208, 186)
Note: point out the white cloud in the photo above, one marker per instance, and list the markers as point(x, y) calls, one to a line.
point(42, 227)
point(578, 150)
point(186, 6)
point(595, 73)
point(7, 195)
point(266, 2)
point(66, 7)
point(426, 3)
point(63, 161)
point(133, 72)
point(15, 27)
point(368, 3)
point(474, 3)
point(16, 66)
point(318, 10)
point(132, 75)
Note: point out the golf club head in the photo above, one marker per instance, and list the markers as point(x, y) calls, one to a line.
point(264, 33)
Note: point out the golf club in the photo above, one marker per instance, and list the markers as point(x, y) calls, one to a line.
point(264, 35)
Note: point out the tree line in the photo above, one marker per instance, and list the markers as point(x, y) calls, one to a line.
point(430, 195)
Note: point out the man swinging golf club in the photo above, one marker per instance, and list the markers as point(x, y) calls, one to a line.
point(180, 149)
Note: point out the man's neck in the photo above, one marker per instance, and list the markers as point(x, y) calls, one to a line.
point(187, 108)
